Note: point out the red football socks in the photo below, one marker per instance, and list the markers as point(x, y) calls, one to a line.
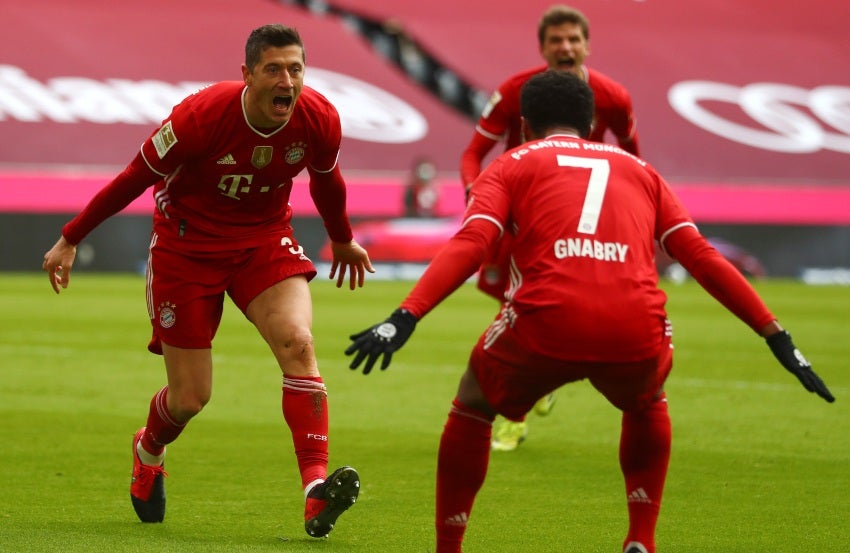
point(161, 429)
point(305, 409)
point(644, 457)
point(461, 468)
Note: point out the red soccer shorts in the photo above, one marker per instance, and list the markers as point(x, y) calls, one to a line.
point(185, 289)
point(513, 379)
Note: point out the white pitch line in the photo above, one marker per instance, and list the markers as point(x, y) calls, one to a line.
point(742, 384)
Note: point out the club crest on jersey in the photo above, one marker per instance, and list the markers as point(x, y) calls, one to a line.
point(294, 153)
point(167, 316)
point(262, 156)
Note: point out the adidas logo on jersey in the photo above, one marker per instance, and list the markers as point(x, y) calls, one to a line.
point(457, 520)
point(227, 160)
point(639, 495)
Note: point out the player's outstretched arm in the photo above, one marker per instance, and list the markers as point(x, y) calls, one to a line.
point(451, 267)
point(786, 352)
point(58, 261)
point(726, 284)
point(382, 339)
point(350, 257)
point(472, 158)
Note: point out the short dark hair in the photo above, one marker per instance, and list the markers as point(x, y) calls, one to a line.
point(557, 98)
point(267, 36)
point(558, 15)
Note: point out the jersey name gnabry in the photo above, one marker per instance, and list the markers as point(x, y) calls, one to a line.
point(584, 247)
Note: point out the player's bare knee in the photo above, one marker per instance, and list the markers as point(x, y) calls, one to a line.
point(296, 342)
point(189, 405)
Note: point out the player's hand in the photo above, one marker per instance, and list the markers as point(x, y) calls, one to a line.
point(382, 339)
point(350, 257)
point(58, 262)
point(791, 358)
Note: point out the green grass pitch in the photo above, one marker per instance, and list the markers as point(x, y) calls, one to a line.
point(758, 465)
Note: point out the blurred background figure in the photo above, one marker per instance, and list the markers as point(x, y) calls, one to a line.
point(421, 193)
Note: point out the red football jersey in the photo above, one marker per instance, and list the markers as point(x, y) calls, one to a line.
point(583, 214)
point(613, 111)
point(226, 184)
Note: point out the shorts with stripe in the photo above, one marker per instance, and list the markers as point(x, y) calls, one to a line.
point(513, 378)
point(186, 288)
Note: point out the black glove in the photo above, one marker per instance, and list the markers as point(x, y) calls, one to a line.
point(381, 339)
point(791, 358)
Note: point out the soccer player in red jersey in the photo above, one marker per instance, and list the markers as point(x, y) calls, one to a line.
point(563, 40)
point(563, 36)
point(221, 167)
point(583, 301)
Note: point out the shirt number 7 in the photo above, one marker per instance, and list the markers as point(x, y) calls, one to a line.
point(599, 172)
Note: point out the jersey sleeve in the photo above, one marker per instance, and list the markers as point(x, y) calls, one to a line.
point(615, 111)
point(328, 138)
point(492, 127)
point(670, 212)
point(718, 277)
point(327, 186)
point(623, 123)
point(489, 196)
point(678, 236)
point(473, 156)
point(329, 195)
point(495, 117)
point(111, 199)
point(499, 122)
point(175, 142)
point(462, 256)
point(458, 260)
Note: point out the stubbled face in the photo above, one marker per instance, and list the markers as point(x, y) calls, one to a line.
point(274, 86)
point(564, 47)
